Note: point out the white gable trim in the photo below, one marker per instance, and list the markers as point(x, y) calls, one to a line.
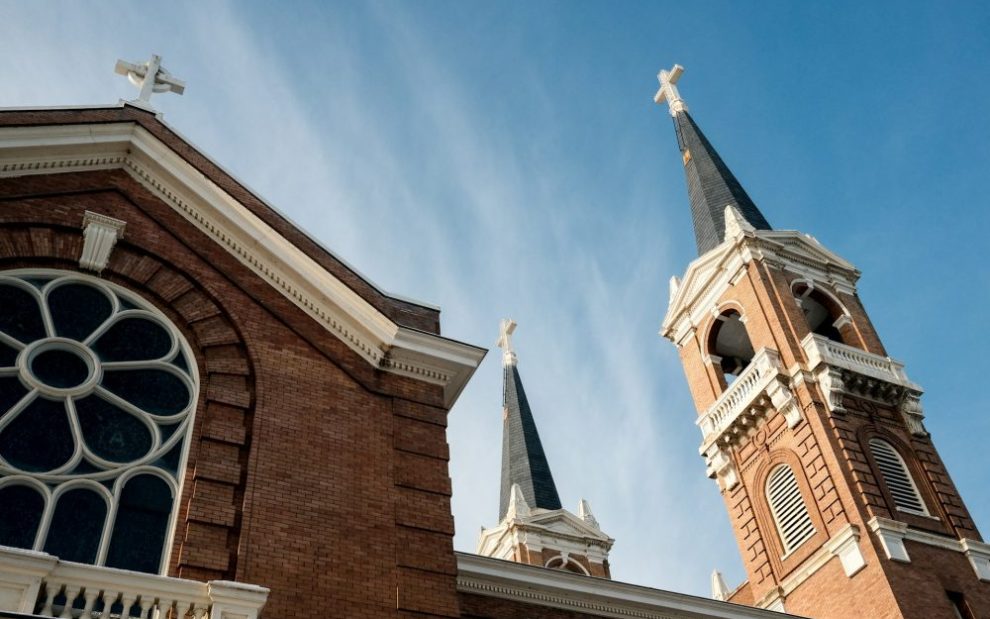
point(600, 597)
point(710, 274)
point(128, 146)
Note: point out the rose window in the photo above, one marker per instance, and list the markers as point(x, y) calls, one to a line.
point(97, 393)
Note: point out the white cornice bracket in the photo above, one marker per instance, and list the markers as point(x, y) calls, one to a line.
point(100, 235)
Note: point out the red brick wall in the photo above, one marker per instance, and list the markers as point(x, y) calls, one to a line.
point(309, 472)
point(836, 475)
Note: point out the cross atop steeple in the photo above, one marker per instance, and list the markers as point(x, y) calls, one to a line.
point(668, 91)
point(505, 330)
point(151, 78)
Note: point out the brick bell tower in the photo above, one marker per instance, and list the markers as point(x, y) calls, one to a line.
point(840, 503)
point(533, 526)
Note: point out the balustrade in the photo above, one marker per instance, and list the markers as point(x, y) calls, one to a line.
point(39, 584)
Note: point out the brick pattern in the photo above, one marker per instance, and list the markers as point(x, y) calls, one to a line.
point(309, 471)
point(835, 472)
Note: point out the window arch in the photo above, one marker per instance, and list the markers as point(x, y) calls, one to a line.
point(729, 345)
point(97, 394)
point(900, 485)
point(790, 514)
point(567, 564)
point(823, 313)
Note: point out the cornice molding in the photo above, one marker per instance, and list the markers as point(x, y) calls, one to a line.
point(340, 310)
point(598, 596)
point(709, 275)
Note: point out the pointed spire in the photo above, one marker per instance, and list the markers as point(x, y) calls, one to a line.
point(711, 185)
point(719, 589)
point(518, 508)
point(584, 513)
point(523, 462)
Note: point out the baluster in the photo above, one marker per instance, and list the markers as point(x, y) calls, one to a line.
point(200, 613)
point(90, 596)
point(145, 605)
point(70, 598)
point(126, 600)
point(189, 607)
point(51, 590)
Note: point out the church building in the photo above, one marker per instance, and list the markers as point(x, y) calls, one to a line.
point(206, 413)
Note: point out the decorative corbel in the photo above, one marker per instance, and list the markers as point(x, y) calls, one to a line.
point(720, 468)
point(100, 234)
point(833, 388)
point(913, 413)
point(784, 401)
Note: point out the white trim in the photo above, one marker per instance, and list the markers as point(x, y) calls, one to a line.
point(117, 471)
point(892, 534)
point(539, 586)
point(709, 275)
point(128, 146)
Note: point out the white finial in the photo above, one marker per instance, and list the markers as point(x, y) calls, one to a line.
point(151, 78)
point(505, 329)
point(668, 91)
point(735, 223)
point(675, 285)
point(518, 507)
point(719, 590)
point(584, 513)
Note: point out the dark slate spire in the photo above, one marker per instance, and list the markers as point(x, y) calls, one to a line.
point(711, 185)
point(523, 461)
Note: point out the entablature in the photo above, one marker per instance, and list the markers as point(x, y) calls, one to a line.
point(709, 275)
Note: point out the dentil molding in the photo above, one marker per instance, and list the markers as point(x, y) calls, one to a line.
point(128, 146)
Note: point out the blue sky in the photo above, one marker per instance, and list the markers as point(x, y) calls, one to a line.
point(507, 160)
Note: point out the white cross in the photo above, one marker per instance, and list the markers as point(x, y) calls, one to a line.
point(668, 92)
point(150, 77)
point(505, 329)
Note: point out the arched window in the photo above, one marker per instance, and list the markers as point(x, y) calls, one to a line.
point(790, 514)
point(97, 392)
point(729, 344)
point(823, 313)
point(568, 565)
point(896, 477)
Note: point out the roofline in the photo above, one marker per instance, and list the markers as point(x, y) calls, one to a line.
point(130, 145)
point(540, 586)
point(159, 116)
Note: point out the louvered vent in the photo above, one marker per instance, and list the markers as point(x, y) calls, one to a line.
point(895, 475)
point(789, 512)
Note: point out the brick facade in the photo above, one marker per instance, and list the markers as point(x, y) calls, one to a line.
point(836, 474)
point(309, 471)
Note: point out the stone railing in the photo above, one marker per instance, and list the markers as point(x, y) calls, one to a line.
point(39, 584)
point(842, 369)
point(820, 350)
point(749, 386)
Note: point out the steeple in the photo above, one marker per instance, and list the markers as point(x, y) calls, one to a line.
point(533, 527)
point(523, 461)
point(711, 185)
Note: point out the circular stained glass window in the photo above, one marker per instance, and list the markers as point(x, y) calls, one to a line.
point(96, 387)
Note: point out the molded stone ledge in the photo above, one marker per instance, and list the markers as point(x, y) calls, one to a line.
point(29, 579)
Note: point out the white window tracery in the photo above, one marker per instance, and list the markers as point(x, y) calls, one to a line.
point(97, 394)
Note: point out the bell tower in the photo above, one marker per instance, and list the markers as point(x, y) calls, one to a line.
point(839, 501)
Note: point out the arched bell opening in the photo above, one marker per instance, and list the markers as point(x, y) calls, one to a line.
point(729, 345)
point(824, 315)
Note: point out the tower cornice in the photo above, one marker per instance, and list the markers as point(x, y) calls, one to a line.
point(695, 295)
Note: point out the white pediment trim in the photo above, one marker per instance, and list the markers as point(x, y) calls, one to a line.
point(709, 275)
point(538, 586)
point(128, 146)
